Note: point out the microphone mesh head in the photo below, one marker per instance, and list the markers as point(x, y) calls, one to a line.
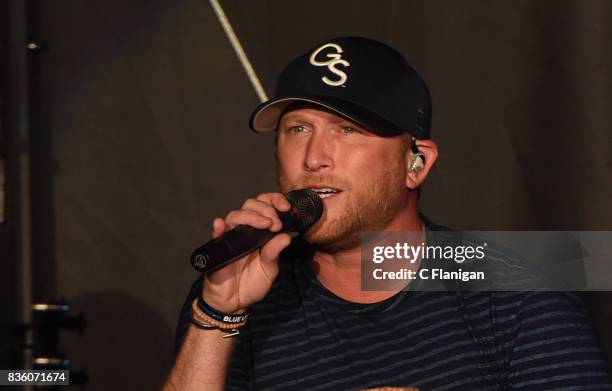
point(308, 205)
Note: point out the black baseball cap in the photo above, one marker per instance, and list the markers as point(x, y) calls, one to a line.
point(364, 80)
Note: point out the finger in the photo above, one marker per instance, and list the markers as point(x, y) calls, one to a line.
point(218, 227)
point(265, 209)
point(271, 250)
point(277, 200)
point(268, 256)
point(262, 207)
point(248, 217)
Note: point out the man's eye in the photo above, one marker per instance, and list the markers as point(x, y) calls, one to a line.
point(348, 129)
point(296, 129)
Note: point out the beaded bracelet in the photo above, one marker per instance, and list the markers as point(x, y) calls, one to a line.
point(207, 326)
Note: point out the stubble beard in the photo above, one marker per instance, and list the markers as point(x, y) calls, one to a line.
point(368, 206)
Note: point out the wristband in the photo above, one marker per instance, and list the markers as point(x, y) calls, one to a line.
point(221, 316)
point(197, 313)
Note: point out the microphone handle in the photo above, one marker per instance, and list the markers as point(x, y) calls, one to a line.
point(231, 245)
point(237, 242)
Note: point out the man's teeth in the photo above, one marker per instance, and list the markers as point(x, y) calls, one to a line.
point(325, 192)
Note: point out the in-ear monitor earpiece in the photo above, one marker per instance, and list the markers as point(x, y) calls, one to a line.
point(417, 159)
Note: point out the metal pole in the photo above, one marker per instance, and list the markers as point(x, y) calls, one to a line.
point(19, 101)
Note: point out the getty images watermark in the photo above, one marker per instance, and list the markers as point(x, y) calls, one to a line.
point(407, 256)
point(487, 260)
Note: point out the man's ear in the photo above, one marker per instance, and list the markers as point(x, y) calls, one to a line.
point(429, 149)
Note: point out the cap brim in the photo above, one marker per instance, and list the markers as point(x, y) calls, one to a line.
point(267, 115)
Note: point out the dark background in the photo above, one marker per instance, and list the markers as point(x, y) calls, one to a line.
point(138, 138)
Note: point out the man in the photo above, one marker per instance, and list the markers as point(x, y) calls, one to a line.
point(352, 122)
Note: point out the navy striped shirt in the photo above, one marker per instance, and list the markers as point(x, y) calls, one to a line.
point(303, 337)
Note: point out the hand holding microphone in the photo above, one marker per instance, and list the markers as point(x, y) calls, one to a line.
point(241, 261)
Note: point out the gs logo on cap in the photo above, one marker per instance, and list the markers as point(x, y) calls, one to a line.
point(334, 60)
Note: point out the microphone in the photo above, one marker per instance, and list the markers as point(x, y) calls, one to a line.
point(306, 209)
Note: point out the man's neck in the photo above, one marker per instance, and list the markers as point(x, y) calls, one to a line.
point(340, 272)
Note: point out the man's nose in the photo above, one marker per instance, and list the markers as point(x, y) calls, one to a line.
point(319, 153)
